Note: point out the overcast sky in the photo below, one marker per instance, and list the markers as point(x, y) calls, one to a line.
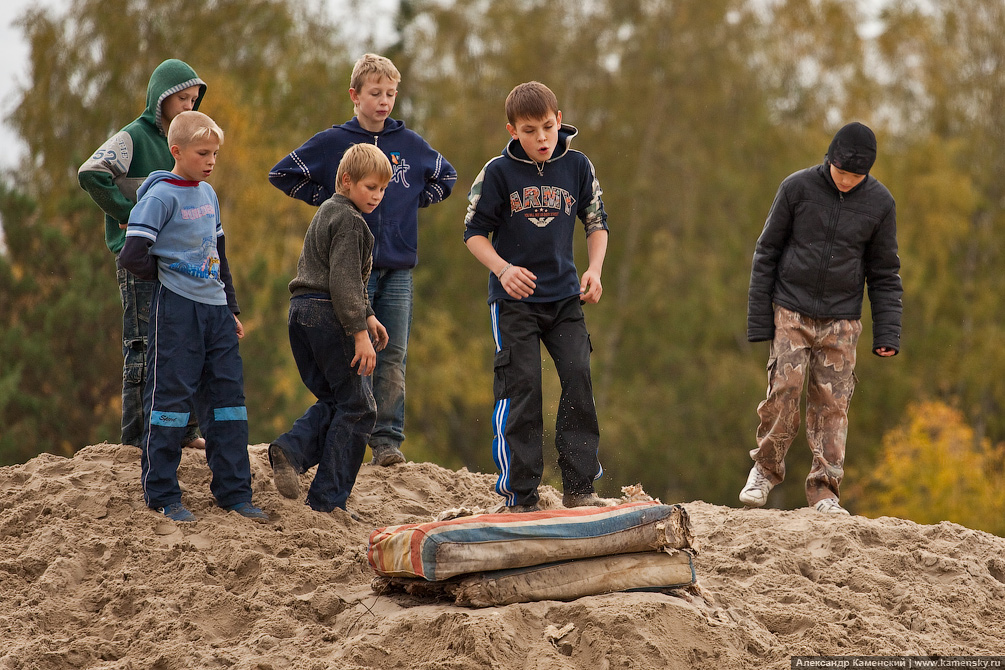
point(14, 69)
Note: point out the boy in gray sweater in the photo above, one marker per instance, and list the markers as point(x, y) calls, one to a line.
point(335, 337)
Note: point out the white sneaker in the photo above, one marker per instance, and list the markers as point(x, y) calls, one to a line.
point(755, 493)
point(830, 506)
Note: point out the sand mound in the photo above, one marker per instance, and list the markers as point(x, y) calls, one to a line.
point(90, 578)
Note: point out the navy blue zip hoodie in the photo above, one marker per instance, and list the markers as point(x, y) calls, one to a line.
point(529, 210)
point(421, 177)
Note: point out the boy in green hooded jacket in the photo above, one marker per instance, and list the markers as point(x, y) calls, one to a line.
point(111, 176)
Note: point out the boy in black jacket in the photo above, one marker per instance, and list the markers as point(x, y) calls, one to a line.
point(528, 200)
point(831, 231)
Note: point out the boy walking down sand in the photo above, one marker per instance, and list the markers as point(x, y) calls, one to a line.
point(176, 238)
point(527, 201)
point(335, 337)
point(420, 177)
point(831, 231)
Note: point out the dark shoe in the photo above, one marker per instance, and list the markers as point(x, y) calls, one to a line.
point(249, 511)
point(584, 500)
point(519, 509)
point(387, 455)
point(177, 512)
point(284, 475)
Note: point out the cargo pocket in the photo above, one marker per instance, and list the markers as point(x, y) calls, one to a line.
point(134, 367)
point(501, 366)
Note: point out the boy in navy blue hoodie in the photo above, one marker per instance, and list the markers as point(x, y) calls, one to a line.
point(528, 200)
point(421, 178)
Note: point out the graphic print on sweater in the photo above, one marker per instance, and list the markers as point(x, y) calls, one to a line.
point(202, 262)
point(544, 203)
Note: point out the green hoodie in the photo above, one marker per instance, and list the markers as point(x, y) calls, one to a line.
point(112, 175)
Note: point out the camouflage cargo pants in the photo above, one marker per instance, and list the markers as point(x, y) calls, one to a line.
point(821, 353)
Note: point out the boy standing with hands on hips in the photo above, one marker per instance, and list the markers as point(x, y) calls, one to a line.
point(420, 177)
point(111, 177)
point(527, 201)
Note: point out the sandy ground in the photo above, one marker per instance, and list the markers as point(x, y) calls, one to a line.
point(90, 578)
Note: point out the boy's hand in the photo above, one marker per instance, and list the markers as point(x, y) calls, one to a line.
point(365, 355)
point(885, 351)
point(240, 328)
point(518, 282)
point(590, 288)
point(377, 332)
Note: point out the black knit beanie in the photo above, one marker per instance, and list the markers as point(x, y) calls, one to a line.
point(853, 149)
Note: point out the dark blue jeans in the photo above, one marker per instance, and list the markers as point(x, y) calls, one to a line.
point(194, 360)
point(333, 433)
point(390, 293)
point(135, 295)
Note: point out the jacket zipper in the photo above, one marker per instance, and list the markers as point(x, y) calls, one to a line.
point(826, 260)
point(378, 228)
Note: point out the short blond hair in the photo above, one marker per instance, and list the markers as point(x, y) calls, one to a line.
point(531, 100)
point(372, 65)
point(359, 162)
point(191, 126)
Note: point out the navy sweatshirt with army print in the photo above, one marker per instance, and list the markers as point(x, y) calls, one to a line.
point(529, 211)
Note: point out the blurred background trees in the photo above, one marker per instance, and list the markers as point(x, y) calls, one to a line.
point(691, 111)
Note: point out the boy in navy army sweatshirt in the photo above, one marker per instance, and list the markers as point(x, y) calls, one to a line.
point(527, 201)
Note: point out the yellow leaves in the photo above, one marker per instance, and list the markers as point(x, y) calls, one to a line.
point(932, 468)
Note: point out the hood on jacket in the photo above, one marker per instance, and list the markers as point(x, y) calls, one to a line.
point(168, 78)
point(565, 134)
point(390, 126)
point(155, 177)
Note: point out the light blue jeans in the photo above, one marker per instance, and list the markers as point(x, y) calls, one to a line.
point(390, 293)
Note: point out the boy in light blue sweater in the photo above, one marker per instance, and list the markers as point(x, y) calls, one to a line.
point(175, 236)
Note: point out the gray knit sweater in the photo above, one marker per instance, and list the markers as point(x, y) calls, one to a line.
point(336, 261)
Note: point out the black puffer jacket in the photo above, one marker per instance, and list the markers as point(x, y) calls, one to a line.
point(818, 250)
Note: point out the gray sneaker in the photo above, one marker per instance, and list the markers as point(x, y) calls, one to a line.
point(283, 473)
point(387, 455)
point(831, 506)
point(584, 500)
point(519, 509)
point(755, 493)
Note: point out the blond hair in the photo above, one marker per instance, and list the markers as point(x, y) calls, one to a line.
point(372, 65)
point(359, 162)
point(191, 126)
point(531, 100)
